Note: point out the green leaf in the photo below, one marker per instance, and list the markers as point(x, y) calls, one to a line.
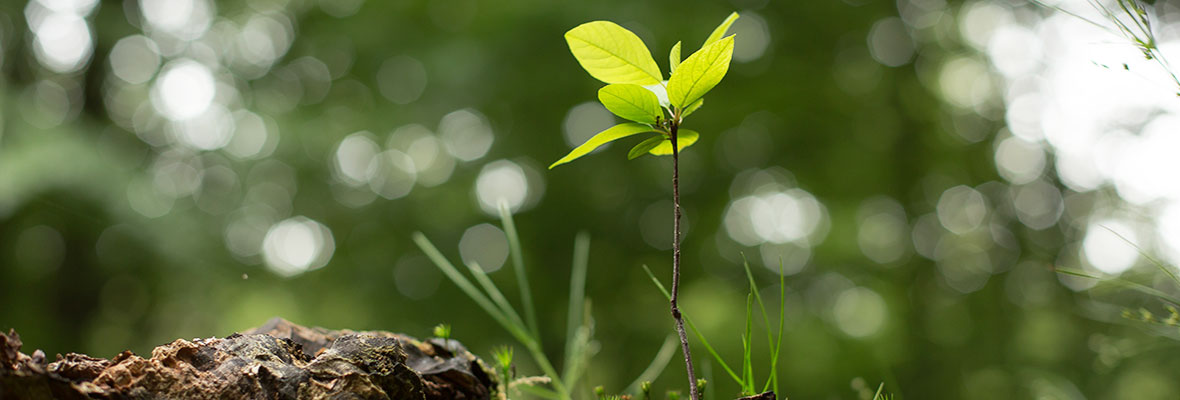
point(700, 73)
point(612, 54)
point(631, 102)
point(674, 58)
point(684, 138)
point(645, 146)
point(692, 107)
point(613, 133)
point(719, 31)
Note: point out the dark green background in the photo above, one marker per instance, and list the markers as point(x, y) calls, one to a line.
point(123, 281)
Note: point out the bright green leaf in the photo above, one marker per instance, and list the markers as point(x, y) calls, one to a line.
point(613, 133)
point(684, 138)
point(719, 31)
point(700, 72)
point(645, 146)
point(674, 58)
point(692, 107)
point(631, 102)
point(612, 54)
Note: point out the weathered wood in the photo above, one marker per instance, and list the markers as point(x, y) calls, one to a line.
point(279, 360)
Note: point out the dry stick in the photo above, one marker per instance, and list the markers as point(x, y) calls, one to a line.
point(692, 384)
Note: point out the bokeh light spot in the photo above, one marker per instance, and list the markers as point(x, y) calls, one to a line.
point(62, 42)
point(401, 79)
point(466, 134)
point(501, 181)
point(859, 312)
point(585, 120)
point(484, 245)
point(184, 90)
point(1109, 245)
point(297, 245)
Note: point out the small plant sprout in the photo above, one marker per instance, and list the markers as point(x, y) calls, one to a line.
point(503, 356)
point(442, 331)
point(636, 91)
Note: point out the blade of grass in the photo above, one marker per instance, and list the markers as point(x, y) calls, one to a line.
point(1123, 283)
point(782, 317)
point(526, 296)
point(747, 346)
point(1158, 264)
point(494, 293)
point(880, 389)
point(519, 332)
point(465, 285)
point(657, 365)
point(575, 363)
point(694, 330)
point(574, 316)
point(539, 356)
point(765, 316)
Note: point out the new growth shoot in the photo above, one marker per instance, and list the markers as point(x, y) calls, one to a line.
point(636, 91)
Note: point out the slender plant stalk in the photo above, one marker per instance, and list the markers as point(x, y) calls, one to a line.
point(692, 380)
point(522, 278)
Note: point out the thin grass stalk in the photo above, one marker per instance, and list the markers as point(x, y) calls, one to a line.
point(1139, 287)
point(1159, 264)
point(765, 317)
point(574, 317)
point(747, 346)
point(465, 285)
point(695, 331)
point(519, 332)
point(494, 293)
point(576, 363)
point(526, 296)
point(782, 317)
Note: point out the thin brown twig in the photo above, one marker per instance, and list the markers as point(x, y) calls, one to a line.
point(694, 393)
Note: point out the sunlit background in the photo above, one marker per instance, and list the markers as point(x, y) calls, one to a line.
point(190, 168)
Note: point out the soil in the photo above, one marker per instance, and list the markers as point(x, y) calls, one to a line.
point(278, 360)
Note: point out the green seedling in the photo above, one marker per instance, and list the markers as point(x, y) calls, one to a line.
point(503, 356)
point(636, 91)
point(442, 331)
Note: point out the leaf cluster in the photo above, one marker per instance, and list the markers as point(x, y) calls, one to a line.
point(636, 90)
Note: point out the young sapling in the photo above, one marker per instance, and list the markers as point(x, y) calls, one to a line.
point(636, 91)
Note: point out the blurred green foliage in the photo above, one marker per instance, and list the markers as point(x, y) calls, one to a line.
point(123, 227)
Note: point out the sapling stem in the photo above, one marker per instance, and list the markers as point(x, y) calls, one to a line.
point(693, 393)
